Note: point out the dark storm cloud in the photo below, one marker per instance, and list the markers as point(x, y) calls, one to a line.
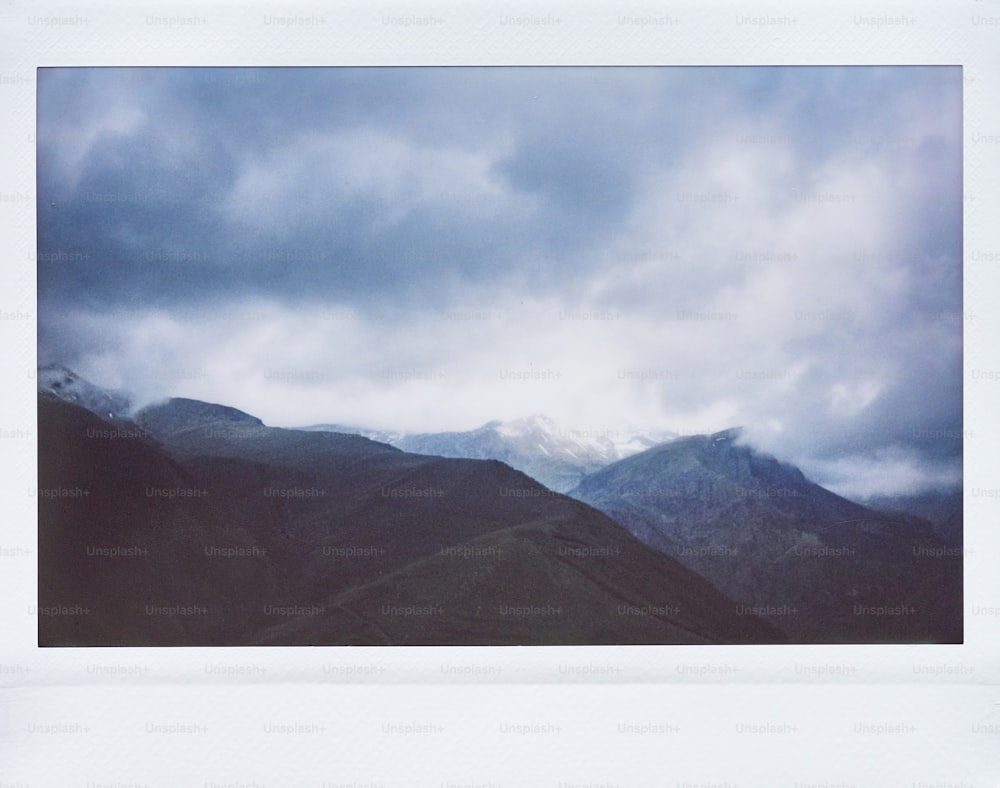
point(147, 199)
point(148, 202)
point(773, 247)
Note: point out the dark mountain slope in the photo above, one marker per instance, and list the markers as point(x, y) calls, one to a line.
point(766, 535)
point(321, 530)
point(486, 591)
point(122, 527)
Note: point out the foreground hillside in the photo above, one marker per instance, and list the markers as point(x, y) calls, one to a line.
point(195, 524)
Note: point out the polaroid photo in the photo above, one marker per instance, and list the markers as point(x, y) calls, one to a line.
point(646, 359)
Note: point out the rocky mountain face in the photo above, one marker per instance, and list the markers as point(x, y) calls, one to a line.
point(822, 568)
point(195, 524)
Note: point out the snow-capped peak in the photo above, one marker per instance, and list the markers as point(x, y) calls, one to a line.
point(64, 383)
point(530, 425)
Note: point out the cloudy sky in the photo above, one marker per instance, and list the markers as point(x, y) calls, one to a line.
point(429, 249)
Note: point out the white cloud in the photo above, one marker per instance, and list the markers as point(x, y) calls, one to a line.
point(893, 471)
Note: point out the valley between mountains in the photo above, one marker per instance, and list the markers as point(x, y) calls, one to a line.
point(187, 523)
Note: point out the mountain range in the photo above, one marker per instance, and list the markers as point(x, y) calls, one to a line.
point(191, 523)
point(557, 456)
point(321, 536)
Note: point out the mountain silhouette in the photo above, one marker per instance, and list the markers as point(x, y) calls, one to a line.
point(822, 568)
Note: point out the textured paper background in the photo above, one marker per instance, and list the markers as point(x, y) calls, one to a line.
point(915, 716)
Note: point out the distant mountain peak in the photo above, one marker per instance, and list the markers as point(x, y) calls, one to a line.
point(536, 423)
point(537, 445)
point(731, 434)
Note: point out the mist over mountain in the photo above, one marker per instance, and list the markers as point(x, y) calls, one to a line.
point(822, 568)
point(514, 241)
point(196, 524)
point(65, 384)
point(557, 456)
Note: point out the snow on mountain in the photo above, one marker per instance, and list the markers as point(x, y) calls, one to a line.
point(557, 456)
point(65, 384)
point(539, 446)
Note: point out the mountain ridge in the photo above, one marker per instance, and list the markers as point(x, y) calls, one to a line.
point(757, 528)
point(764, 533)
point(556, 456)
point(289, 537)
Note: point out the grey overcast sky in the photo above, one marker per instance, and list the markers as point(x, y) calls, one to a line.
point(432, 248)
